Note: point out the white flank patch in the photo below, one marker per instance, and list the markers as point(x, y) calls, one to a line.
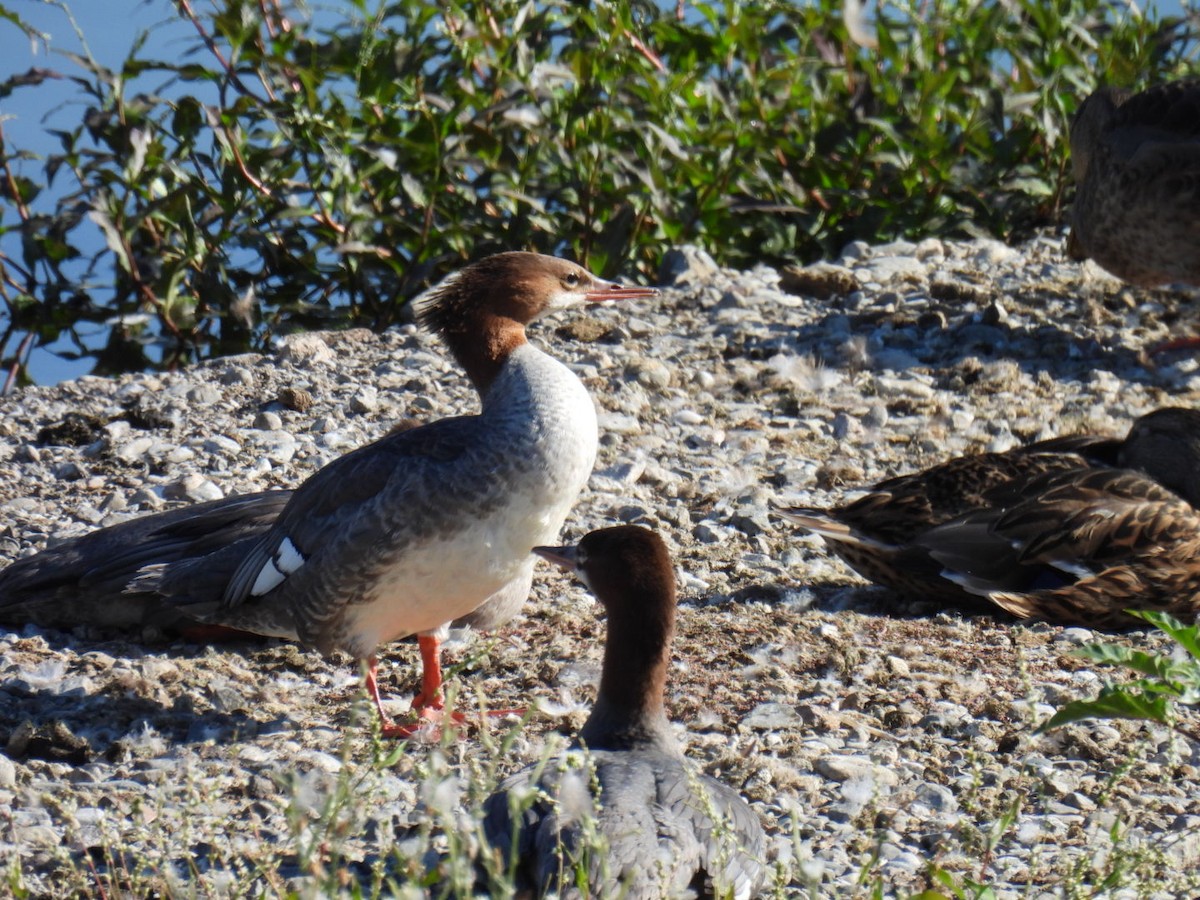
point(268, 578)
point(1079, 570)
point(288, 559)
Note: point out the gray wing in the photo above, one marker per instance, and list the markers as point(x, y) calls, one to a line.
point(732, 860)
point(521, 825)
point(357, 499)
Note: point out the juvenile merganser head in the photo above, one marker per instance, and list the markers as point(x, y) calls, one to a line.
point(629, 570)
point(481, 312)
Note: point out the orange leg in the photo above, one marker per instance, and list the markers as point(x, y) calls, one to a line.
point(430, 697)
point(1182, 343)
point(429, 704)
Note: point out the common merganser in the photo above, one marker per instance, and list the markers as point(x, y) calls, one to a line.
point(663, 827)
point(424, 526)
point(1136, 159)
point(1069, 519)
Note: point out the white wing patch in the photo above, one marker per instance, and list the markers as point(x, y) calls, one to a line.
point(286, 560)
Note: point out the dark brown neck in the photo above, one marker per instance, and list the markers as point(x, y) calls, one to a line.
point(481, 344)
point(629, 710)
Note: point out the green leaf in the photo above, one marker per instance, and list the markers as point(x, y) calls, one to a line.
point(1113, 704)
point(1138, 660)
point(1187, 636)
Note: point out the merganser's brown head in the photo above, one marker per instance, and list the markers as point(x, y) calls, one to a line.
point(629, 570)
point(482, 312)
point(622, 566)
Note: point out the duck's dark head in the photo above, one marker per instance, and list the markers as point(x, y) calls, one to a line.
point(1165, 444)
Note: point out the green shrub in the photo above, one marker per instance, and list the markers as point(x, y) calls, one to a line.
point(289, 172)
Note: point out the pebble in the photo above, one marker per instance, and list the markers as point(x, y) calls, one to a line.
point(858, 768)
point(133, 450)
point(220, 443)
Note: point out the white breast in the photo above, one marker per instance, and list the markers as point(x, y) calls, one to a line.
point(540, 425)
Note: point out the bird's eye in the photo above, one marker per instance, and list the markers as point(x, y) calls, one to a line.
point(572, 280)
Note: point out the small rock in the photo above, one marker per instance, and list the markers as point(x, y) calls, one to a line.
point(306, 349)
point(936, 797)
point(268, 421)
point(770, 716)
point(70, 471)
point(235, 375)
point(820, 280)
point(887, 269)
point(686, 265)
point(134, 450)
point(844, 768)
point(203, 395)
point(220, 443)
point(711, 533)
point(194, 487)
point(365, 400)
point(617, 423)
point(296, 398)
point(650, 372)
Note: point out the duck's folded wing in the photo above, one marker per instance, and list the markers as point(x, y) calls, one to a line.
point(898, 508)
point(732, 846)
point(358, 492)
point(1066, 528)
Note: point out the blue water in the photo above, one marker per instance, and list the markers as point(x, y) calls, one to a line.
point(109, 28)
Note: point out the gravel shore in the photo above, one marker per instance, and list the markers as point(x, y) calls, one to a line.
point(876, 738)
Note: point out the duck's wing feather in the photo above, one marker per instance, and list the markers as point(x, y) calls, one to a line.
point(897, 509)
point(662, 829)
point(346, 495)
point(89, 580)
point(731, 840)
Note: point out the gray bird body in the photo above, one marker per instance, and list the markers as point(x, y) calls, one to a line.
point(412, 531)
point(666, 829)
point(424, 527)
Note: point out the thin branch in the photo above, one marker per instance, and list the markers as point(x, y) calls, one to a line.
point(7, 262)
point(11, 182)
point(640, 46)
point(23, 352)
point(211, 44)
